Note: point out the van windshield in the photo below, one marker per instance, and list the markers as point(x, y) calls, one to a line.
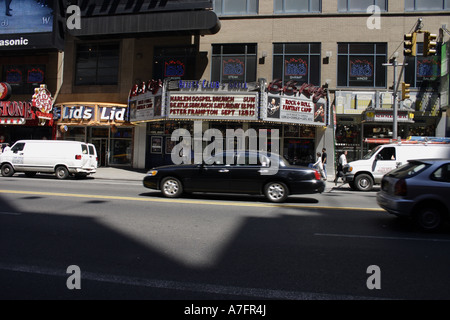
point(371, 153)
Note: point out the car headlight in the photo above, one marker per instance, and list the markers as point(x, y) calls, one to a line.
point(350, 169)
point(152, 173)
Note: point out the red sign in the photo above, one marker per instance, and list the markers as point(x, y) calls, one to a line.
point(5, 91)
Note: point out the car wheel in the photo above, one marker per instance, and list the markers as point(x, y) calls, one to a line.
point(171, 187)
point(62, 172)
point(428, 217)
point(276, 191)
point(7, 170)
point(363, 182)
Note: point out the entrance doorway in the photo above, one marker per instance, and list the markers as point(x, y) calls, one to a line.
point(101, 145)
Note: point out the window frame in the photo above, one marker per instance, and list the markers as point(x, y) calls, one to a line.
point(309, 54)
point(224, 55)
point(285, 11)
point(420, 10)
point(413, 60)
point(248, 5)
point(347, 4)
point(375, 54)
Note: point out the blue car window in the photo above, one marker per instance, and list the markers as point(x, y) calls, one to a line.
point(441, 174)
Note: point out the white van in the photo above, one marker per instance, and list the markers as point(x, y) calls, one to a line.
point(63, 158)
point(363, 174)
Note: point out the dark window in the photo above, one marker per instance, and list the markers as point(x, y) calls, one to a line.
point(386, 154)
point(426, 5)
point(423, 71)
point(296, 6)
point(174, 63)
point(18, 147)
point(361, 65)
point(97, 64)
point(236, 7)
point(233, 63)
point(442, 174)
point(298, 62)
point(360, 5)
point(23, 79)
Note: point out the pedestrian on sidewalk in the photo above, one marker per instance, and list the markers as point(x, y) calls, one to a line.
point(319, 165)
point(324, 163)
point(340, 167)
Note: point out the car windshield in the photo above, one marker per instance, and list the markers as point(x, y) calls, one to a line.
point(371, 153)
point(408, 170)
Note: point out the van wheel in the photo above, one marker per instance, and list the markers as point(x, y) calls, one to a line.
point(171, 187)
point(276, 191)
point(363, 182)
point(62, 172)
point(7, 170)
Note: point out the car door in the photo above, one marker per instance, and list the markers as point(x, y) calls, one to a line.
point(17, 155)
point(247, 175)
point(92, 156)
point(212, 176)
point(385, 161)
point(441, 184)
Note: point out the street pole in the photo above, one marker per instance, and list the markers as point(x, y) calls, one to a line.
point(395, 64)
point(395, 106)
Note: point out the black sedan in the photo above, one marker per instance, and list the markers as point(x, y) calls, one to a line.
point(245, 172)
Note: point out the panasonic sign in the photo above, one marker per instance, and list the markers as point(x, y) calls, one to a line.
point(14, 42)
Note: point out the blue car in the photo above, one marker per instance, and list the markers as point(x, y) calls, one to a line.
point(420, 190)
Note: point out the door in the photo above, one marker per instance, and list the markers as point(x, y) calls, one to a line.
point(101, 145)
point(385, 161)
point(17, 155)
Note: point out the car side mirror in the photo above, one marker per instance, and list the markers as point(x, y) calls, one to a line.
point(378, 157)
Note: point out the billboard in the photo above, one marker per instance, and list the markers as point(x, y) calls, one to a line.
point(27, 24)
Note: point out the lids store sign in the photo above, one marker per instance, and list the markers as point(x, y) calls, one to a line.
point(90, 113)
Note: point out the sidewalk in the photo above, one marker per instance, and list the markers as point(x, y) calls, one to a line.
point(112, 173)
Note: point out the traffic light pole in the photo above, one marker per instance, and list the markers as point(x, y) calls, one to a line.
point(395, 89)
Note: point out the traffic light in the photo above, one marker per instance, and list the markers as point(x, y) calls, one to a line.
point(405, 90)
point(429, 44)
point(409, 44)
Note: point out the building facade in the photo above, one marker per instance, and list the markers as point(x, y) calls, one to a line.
point(350, 49)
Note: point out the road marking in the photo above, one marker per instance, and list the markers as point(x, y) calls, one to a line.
point(379, 237)
point(185, 286)
point(11, 213)
point(188, 201)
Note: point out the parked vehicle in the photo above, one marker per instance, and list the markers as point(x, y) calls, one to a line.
point(419, 189)
point(63, 158)
point(363, 174)
point(240, 177)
